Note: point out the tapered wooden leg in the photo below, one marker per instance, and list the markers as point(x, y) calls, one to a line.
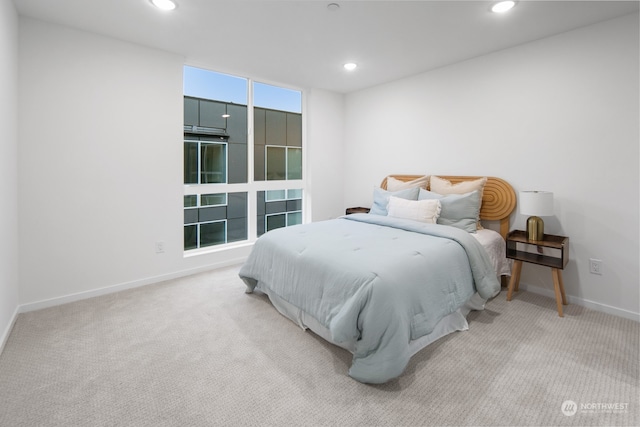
point(517, 286)
point(564, 297)
point(559, 289)
point(515, 279)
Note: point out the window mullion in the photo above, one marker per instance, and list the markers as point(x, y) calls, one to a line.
point(252, 206)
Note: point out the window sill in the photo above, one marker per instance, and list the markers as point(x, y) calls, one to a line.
point(217, 249)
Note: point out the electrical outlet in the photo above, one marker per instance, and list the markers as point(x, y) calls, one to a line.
point(595, 266)
point(159, 247)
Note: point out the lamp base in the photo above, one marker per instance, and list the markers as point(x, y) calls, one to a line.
point(535, 229)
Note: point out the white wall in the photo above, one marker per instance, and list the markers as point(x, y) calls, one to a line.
point(559, 114)
point(325, 129)
point(8, 167)
point(100, 165)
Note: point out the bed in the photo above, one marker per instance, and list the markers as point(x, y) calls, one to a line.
point(385, 285)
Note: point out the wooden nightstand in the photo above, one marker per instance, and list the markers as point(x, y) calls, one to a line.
point(357, 210)
point(552, 251)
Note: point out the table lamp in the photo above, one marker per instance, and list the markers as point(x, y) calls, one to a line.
point(536, 204)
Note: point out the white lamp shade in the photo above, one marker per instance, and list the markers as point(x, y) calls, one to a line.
point(536, 203)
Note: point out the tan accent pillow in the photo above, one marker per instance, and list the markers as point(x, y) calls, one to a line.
point(444, 186)
point(394, 184)
point(417, 210)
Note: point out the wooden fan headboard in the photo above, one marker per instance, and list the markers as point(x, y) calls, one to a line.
point(498, 197)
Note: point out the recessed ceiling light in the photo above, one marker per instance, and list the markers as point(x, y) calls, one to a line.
point(350, 66)
point(503, 6)
point(164, 4)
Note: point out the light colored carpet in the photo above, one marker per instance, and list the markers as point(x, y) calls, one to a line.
point(198, 351)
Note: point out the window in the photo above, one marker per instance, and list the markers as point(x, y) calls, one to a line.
point(221, 193)
point(205, 162)
point(279, 208)
point(283, 163)
point(277, 144)
point(215, 142)
point(214, 219)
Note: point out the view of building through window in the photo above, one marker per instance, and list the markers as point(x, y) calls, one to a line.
point(218, 149)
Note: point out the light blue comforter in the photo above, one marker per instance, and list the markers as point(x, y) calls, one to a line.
point(379, 280)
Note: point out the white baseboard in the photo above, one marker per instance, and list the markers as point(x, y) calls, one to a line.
point(583, 302)
point(150, 280)
point(38, 305)
point(7, 330)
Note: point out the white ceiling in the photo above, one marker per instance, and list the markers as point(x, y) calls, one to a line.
point(303, 44)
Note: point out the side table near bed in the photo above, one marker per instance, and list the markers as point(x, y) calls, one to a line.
point(358, 209)
point(552, 251)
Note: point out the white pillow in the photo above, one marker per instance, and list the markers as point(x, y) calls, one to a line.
point(444, 186)
point(394, 184)
point(417, 210)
